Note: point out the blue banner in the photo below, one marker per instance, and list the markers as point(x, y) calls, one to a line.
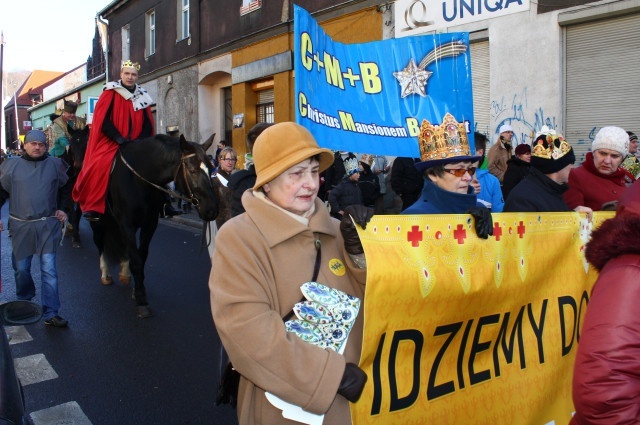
point(372, 97)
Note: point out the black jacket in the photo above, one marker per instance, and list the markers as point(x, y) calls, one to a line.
point(239, 182)
point(537, 193)
point(517, 170)
point(406, 180)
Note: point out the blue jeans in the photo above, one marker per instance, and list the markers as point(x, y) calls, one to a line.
point(26, 289)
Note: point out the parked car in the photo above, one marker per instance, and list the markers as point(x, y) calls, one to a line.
point(12, 409)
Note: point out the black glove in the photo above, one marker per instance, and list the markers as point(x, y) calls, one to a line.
point(483, 221)
point(122, 141)
point(361, 215)
point(352, 382)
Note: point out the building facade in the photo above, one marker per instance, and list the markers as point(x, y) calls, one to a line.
point(568, 65)
point(221, 67)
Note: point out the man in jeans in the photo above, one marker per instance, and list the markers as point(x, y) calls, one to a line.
point(33, 181)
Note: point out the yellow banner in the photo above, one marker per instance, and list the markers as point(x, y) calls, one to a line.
point(461, 330)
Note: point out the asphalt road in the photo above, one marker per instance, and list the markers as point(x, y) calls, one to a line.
point(109, 367)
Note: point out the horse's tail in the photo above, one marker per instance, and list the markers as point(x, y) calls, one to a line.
point(109, 239)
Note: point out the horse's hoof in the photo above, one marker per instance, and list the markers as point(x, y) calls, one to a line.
point(125, 280)
point(107, 280)
point(143, 311)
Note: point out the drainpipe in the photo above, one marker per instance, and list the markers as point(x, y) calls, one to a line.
point(105, 45)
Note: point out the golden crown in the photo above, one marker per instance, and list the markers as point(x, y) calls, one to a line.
point(550, 146)
point(367, 159)
point(443, 141)
point(129, 64)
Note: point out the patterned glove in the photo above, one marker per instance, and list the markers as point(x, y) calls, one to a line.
point(361, 215)
point(483, 221)
point(352, 383)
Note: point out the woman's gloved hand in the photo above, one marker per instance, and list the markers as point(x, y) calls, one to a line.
point(483, 222)
point(361, 215)
point(352, 382)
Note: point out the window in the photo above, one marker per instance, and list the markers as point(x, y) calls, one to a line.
point(265, 111)
point(126, 41)
point(249, 6)
point(151, 33)
point(183, 19)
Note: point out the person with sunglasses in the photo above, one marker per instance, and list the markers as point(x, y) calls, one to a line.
point(448, 169)
point(227, 159)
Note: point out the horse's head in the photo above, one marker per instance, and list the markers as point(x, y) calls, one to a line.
point(78, 147)
point(194, 179)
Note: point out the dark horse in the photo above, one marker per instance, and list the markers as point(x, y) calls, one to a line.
point(75, 158)
point(136, 193)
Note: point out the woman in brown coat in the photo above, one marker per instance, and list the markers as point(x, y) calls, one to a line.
point(270, 251)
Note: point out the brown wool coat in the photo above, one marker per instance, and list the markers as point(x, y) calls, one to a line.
point(254, 282)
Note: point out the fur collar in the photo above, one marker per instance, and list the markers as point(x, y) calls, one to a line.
point(615, 237)
point(139, 96)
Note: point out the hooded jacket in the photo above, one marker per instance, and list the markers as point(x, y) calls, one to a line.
point(606, 382)
point(255, 282)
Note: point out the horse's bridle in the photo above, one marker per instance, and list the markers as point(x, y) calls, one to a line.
point(191, 198)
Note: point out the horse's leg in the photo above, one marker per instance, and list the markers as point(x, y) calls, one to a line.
point(125, 272)
point(74, 220)
point(98, 231)
point(136, 264)
point(105, 277)
point(146, 233)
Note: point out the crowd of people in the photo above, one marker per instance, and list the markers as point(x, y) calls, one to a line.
point(291, 214)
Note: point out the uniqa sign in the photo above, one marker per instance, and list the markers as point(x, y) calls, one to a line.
point(413, 17)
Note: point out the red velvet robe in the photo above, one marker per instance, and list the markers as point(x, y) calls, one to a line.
point(90, 191)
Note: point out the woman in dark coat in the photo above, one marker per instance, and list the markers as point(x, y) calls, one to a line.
point(517, 169)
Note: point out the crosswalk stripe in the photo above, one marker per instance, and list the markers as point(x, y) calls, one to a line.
point(67, 413)
point(33, 369)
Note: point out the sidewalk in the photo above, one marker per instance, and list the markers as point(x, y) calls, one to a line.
point(189, 218)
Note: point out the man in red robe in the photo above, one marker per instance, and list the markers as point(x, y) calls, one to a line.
point(122, 114)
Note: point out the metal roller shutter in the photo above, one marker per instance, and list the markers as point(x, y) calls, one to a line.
point(602, 79)
point(480, 75)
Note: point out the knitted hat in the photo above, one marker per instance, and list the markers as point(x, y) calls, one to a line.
point(551, 153)
point(35, 136)
point(523, 148)
point(351, 166)
point(443, 144)
point(632, 136)
point(506, 127)
point(282, 146)
point(613, 138)
point(70, 106)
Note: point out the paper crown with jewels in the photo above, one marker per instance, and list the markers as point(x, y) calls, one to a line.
point(351, 166)
point(551, 153)
point(129, 64)
point(444, 143)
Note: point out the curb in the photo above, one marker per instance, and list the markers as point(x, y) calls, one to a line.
point(191, 220)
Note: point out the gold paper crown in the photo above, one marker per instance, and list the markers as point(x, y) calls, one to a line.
point(444, 141)
point(129, 64)
point(367, 159)
point(351, 166)
point(550, 146)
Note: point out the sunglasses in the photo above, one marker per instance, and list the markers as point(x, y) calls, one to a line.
point(459, 172)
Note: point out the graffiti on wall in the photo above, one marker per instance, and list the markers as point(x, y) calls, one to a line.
point(525, 120)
